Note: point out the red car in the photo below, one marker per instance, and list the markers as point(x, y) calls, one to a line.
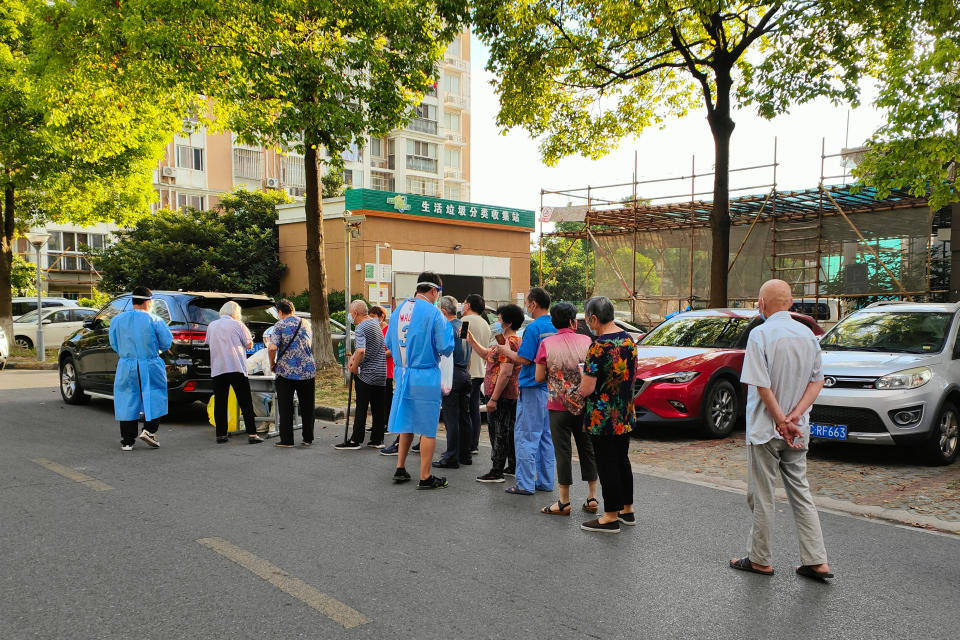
point(688, 369)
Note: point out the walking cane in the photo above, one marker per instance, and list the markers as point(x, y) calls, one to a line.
point(346, 423)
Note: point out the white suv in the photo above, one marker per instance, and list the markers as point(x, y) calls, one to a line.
point(892, 376)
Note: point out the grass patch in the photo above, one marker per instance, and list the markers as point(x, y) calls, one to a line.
point(331, 389)
point(18, 354)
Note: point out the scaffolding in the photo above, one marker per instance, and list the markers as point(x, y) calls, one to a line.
point(836, 243)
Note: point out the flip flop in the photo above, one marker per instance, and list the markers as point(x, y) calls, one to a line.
point(807, 572)
point(743, 564)
point(517, 491)
point(564, 509)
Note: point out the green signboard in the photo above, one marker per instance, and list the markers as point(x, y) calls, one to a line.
point(438, 209)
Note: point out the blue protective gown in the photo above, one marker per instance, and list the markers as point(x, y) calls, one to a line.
point(141, 381)
point(417, 336)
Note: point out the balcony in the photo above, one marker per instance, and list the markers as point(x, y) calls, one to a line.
point(453, 173)
point(423, 125)
point(419, 163)
point(453, 137)
point(456, 63)
point(378, 162)
point(455, 101)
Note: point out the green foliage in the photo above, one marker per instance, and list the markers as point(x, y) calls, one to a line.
point(608, 282)
point(566, 274)
point(339, 316)
point(332, 183)
point(23, 277)
point(334, 300)
point(234, 248)
point(97, 300)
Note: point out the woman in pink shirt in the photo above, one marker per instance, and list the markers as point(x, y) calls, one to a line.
point(559, 361)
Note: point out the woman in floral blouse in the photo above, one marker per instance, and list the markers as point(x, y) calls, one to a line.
point(607, 387)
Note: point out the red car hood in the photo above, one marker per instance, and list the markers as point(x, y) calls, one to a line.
point(657, 360)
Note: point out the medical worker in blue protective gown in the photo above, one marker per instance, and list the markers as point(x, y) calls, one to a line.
point(140, 385)
point(417, 336)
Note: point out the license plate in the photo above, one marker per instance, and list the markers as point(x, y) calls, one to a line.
point(257, 346)
point(829, 431)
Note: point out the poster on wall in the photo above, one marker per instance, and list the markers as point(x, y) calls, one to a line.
point(379, 294)
point(370, 272)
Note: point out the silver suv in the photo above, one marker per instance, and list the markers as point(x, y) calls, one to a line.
point(892, 376)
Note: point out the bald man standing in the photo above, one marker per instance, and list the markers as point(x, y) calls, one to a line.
point(783, 371)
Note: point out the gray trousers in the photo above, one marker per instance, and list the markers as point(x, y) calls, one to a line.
point(763, 462)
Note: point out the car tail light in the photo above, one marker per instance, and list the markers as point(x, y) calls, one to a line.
point(188, 337)
point(190, 386)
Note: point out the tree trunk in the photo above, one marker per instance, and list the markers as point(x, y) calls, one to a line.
point(6, 263)
point(721, 125)
point(316, 276)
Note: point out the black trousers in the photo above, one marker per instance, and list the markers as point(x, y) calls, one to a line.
point(456, 418)
point(613, 468)
point(304, 389)
point(374, 397)
point(129, 429)
point(500, 424)
point(476, 395)
point(221, 397)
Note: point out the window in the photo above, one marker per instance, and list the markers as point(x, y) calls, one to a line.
point(161, 310)
point(185, 200)
point(451, 122)
point(111, 310)
point(79, 315)
point(353, 178)
point(189, 157)
point(425, 119)
point(451, 158)
point(382, 181)
point(423, 187)
point(454, 48)
point(65, 248)
point(292, 171)
point(702, 332)
point(353, 154)
point(451, 191)
point(382, 152)
point(421, 156)
point(451, 83)
point(248, 163)
point(58, 316)
point(432, 90)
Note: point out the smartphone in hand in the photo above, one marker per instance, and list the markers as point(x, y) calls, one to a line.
point(500, 339)
point(464, 330)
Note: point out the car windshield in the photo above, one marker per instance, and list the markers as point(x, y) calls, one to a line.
point(890, 331)
point(206, 310)
point(703, 332)
point(28, 317)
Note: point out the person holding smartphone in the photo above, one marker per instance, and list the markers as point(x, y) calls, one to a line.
point(456, 404)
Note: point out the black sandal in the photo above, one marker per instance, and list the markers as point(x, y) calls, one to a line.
point(744, 564)
point(807, 571)
point(564, 509)
point(591, 508)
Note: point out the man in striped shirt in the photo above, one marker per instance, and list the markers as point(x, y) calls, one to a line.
point(368, 364)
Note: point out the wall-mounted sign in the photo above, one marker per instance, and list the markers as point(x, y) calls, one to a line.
point(370, 272)
point(438, 208)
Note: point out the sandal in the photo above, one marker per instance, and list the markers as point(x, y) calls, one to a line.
point(564, 509)
point(808, 572)
point(517, 491)
point(744, 564)
point(591, 508)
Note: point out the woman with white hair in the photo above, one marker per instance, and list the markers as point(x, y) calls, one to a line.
point(229, 339)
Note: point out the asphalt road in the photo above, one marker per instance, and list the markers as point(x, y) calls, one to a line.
point(198, 540)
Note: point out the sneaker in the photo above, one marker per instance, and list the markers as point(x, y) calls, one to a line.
point(509, 471)
point(126, 447)
point(627, 518)
point(596, 527)
point(347, 445)
point(401, 475)
point(149, 438)
point(466, 462)
point(474, 451)
point(433, 482)
point(445, 464)
point(415, 448)
point(376, 445)
point(490, 477)
point(392, 450)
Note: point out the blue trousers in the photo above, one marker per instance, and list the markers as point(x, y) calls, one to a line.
point(535, 456)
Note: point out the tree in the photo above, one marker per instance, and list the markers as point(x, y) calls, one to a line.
point(582, 74)
point(918, 147)
point(23, 277)
point(567, 270)
point(234, 248)
point(74, 146)
point(293, 74)
point(332, 183)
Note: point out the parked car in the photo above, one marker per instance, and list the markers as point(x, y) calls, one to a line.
point(87, 363)
point(491, 316)
point(892, 376)
point(57, 323)
point(826, 311)
point(688, 369)
point(27, 304)
point(635, 332)
point(4, 349)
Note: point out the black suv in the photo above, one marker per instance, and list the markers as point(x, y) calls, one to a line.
point(88, 363)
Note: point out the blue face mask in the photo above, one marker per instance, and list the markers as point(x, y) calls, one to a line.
point(350, 318)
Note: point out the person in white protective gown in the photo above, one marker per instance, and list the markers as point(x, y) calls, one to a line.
point(418, 336)
point(140, 384)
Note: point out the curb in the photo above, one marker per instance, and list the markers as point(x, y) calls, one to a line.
point(32, 366)
point(844, 507)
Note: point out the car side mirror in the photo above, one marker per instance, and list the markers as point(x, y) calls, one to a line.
point(93, 323)
point(47, 322)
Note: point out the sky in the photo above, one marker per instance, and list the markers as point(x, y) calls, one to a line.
point(507, 169)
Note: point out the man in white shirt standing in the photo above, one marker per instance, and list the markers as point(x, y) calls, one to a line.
point(782, 368)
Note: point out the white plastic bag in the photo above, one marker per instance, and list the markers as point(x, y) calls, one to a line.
point(446, 374)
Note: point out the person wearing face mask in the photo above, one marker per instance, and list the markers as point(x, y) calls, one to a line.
point(417, 337)
point(368, 364)
point(535, 456)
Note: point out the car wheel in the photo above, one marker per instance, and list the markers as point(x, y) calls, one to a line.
point(23, 342)
point(71, 390)
point(721, 407)
point(941, 448)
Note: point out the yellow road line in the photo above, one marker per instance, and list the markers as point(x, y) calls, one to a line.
point(73, 474)
point(328, 606)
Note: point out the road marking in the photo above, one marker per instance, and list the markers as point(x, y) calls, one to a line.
point(73, 474)
point(328, 606)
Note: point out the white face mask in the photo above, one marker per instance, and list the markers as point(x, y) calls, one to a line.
point(350, 318)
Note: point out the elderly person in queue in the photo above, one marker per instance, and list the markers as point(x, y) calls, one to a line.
point(558, 364)
point(607, 387)
point(229, 339)
point(368, 364)
point(456, 404)
point(291, 359)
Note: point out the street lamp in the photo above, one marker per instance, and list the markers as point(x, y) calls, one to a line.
point(38, 239)
point(385, 245)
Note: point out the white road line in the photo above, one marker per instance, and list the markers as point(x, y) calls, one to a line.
point(328, 606)
point(73, 474)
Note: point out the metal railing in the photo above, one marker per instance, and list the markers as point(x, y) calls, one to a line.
point(423, 125)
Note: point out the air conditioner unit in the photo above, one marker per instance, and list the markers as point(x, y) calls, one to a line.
point(168, 172)
point(273, 183)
